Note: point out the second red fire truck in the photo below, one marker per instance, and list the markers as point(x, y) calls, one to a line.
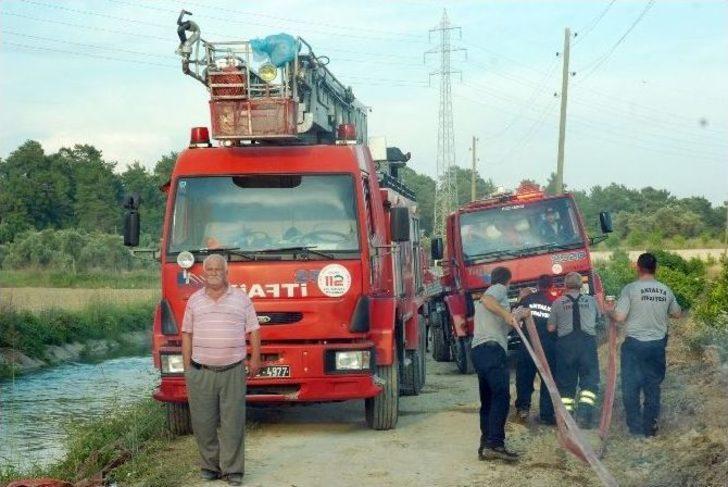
point(527, 231)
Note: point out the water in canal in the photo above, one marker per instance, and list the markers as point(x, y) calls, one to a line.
point(37, 408)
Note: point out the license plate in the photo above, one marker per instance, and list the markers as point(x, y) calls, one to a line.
point(273, 371)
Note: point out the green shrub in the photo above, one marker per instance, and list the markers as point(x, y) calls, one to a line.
point(685, 277)
point(616, 272)
point(686, 287)
point(712, 308)
point(70, 251)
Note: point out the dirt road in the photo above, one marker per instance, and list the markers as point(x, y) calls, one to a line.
point(435, 443)
point(436, 440)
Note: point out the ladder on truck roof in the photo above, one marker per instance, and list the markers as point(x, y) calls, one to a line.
point(270, 89)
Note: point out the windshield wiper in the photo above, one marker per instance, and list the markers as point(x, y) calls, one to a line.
point(303, 250)
point(228, 250)
point(552, 247)
point(494, 254)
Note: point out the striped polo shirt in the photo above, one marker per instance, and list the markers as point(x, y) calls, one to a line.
point(218, 328)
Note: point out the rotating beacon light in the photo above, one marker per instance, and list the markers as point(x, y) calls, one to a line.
point(199, 136)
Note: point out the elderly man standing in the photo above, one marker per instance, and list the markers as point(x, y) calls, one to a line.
point(216, 320)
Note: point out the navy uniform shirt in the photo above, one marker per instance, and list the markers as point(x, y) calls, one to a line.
point(540, 307)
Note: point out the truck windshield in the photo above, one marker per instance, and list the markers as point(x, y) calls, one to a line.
point(265, 212)
point(519, 229)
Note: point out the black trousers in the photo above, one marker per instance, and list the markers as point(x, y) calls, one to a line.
point(577, 363)
point(525, 374)
point(643, 370)
point(491, 364)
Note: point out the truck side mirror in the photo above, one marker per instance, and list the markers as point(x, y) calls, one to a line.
point(131, 220)
point(436, 248)
point(605, 220)
point(399, 223)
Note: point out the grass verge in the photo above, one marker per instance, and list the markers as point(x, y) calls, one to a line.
point(124, 446)
point(136, 279)
point(30, 333)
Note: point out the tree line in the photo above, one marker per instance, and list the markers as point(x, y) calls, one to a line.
point(76, 188)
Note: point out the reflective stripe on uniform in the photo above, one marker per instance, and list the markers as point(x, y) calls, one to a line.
point(589, 394)
point(586, 400)
point(568, 403)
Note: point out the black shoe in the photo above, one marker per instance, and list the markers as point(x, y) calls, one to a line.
point(651, 430)
point(522, 415)
point(497, 453)
point(209, 474)
point(235, 479)
point(585, 419)
point(550, 421)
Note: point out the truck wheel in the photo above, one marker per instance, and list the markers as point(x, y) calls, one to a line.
point(409, 384)
point(178, 418)
point(422, 350)
point(440, 348)
point(382, 410)
point(462, 355)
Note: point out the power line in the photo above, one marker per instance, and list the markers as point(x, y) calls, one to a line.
point(591, 25)
point(327, 32)
point(84, 54)
point(600, 61)
point(328, 25)
point(92, 46)
point(136, 34)
point(87, 27)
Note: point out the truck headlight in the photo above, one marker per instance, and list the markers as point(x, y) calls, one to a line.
point(352, 360)
point(172, 363)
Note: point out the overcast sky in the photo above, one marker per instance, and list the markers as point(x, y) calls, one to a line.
point(645, 104)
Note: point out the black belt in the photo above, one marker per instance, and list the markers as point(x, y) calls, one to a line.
point(215, 368)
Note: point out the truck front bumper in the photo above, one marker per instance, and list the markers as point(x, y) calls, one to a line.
point(308, 381)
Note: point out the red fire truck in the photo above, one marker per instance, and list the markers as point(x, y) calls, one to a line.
point(316, 227)
point(528, 232)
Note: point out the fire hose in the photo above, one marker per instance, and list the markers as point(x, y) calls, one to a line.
point(568, 433)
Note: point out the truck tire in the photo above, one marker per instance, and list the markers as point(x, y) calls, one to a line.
point(440, 348)
point(178, 418)
point(423, 350)
point(409, 383)
point(413, 374)
point(382, 410)
point(462, 347)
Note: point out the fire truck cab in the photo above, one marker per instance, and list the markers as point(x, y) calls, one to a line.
point(316, 228)
point(526, 231)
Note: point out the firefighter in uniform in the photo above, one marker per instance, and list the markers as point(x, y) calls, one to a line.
point(644, 306)
point(539, 303)
point(573, 317)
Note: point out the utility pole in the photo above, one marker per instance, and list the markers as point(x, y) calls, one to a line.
point(445, 185)
point(473, 172)
point(562, 123)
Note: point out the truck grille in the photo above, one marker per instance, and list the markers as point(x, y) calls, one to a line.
point(279, 317)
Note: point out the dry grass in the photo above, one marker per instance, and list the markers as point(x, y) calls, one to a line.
point(39, 299)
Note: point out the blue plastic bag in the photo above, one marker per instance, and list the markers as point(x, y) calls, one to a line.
point(279, 48)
